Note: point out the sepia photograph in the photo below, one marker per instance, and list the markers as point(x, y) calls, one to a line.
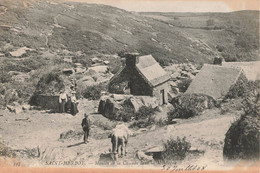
point(125, 85)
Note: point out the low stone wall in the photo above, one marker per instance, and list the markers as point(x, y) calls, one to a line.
point(46, 102)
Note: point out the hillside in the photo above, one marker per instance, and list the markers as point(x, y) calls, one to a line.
point(49, 29)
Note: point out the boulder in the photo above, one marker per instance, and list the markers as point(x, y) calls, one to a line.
point(175, 75)
point(96, 60)
point(106, 62)
point(26, 107)
point(99, 69)
point(120, 97)
point(134, 103)
point(111, 108)
point(78, 64)
point(15, 109)
point(68, 71)
point(106, 159)
point(143, 157)
point(10, 108)
point(87, 78)
point(149, 101)
point(80, 69)
point(154, 149)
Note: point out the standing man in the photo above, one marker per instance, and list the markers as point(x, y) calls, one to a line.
point(62, 101)
point(86, 127)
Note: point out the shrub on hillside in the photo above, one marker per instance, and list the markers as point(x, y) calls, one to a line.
point(144, 112)
point(190, 105)
point(175, 149)
point(50, 83)
point(5, 77)
point(94, 92)
point(184, 84)
point(6, 151)
point(243, 137)
point(85, 61)
point(114, 65)
point(125, 114)
point(118, 87)
point(239, 88)
point(229, 57)
point(210, 22)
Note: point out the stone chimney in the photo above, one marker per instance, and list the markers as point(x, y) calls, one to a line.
point(218, 60)
point(131, 59)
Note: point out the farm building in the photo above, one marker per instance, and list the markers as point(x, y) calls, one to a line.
point(217, 81)
point(251, 69)
point(143, 76)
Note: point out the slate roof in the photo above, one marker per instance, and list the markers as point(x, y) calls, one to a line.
point(214, 80)
point(251, 69)
point(151, 70)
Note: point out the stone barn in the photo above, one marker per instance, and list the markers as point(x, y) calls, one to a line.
point(141, 76)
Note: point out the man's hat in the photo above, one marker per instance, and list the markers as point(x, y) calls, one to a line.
point(85, 115)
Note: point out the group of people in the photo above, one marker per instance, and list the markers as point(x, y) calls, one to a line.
point(68, 102)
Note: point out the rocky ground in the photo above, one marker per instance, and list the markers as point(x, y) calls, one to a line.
point(35, 137)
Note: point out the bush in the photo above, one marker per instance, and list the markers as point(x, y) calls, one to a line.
point(189, 105)
point(250, 104)
point(239, 88)
point(184, 84)
point(242, 139)
point(118, 87)
point(210, 22)
point(50, 83)
point(5, 77)
point(144, 112)
point(175, 149)
point(85, 61)
point(94, 92)
point(5, 151)
point(114, 65)
point(125, 114)
point(220, 48)
point(143, 115)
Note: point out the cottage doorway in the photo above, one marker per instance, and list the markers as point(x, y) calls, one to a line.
point(162, 97)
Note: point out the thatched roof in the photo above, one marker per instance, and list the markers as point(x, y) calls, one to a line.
point(151, 70)
point(214, 80)
point(251, 69)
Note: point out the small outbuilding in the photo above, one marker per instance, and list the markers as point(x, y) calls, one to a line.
point(251, 68)
point(141, 75)
point(217, 81)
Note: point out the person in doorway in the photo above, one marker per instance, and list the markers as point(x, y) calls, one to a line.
point(74, 103)
point(62, 101)
point(86, 127)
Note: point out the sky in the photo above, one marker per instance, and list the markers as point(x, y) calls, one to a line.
point(180, 5)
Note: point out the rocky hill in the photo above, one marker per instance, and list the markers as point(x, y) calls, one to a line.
point(36, 27)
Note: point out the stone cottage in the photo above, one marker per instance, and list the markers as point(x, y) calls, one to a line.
point(141, 76)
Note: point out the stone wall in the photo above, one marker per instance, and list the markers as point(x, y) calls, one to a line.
point(157, 92)
point(138, 86)
point(46, 102)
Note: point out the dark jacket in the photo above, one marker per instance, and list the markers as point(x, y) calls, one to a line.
point(86, 124)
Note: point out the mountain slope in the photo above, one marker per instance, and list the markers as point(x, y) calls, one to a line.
point(99, 29)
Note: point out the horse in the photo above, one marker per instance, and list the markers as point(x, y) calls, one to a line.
point(119, 138)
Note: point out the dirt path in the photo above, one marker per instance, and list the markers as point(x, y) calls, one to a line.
point(42, 130)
